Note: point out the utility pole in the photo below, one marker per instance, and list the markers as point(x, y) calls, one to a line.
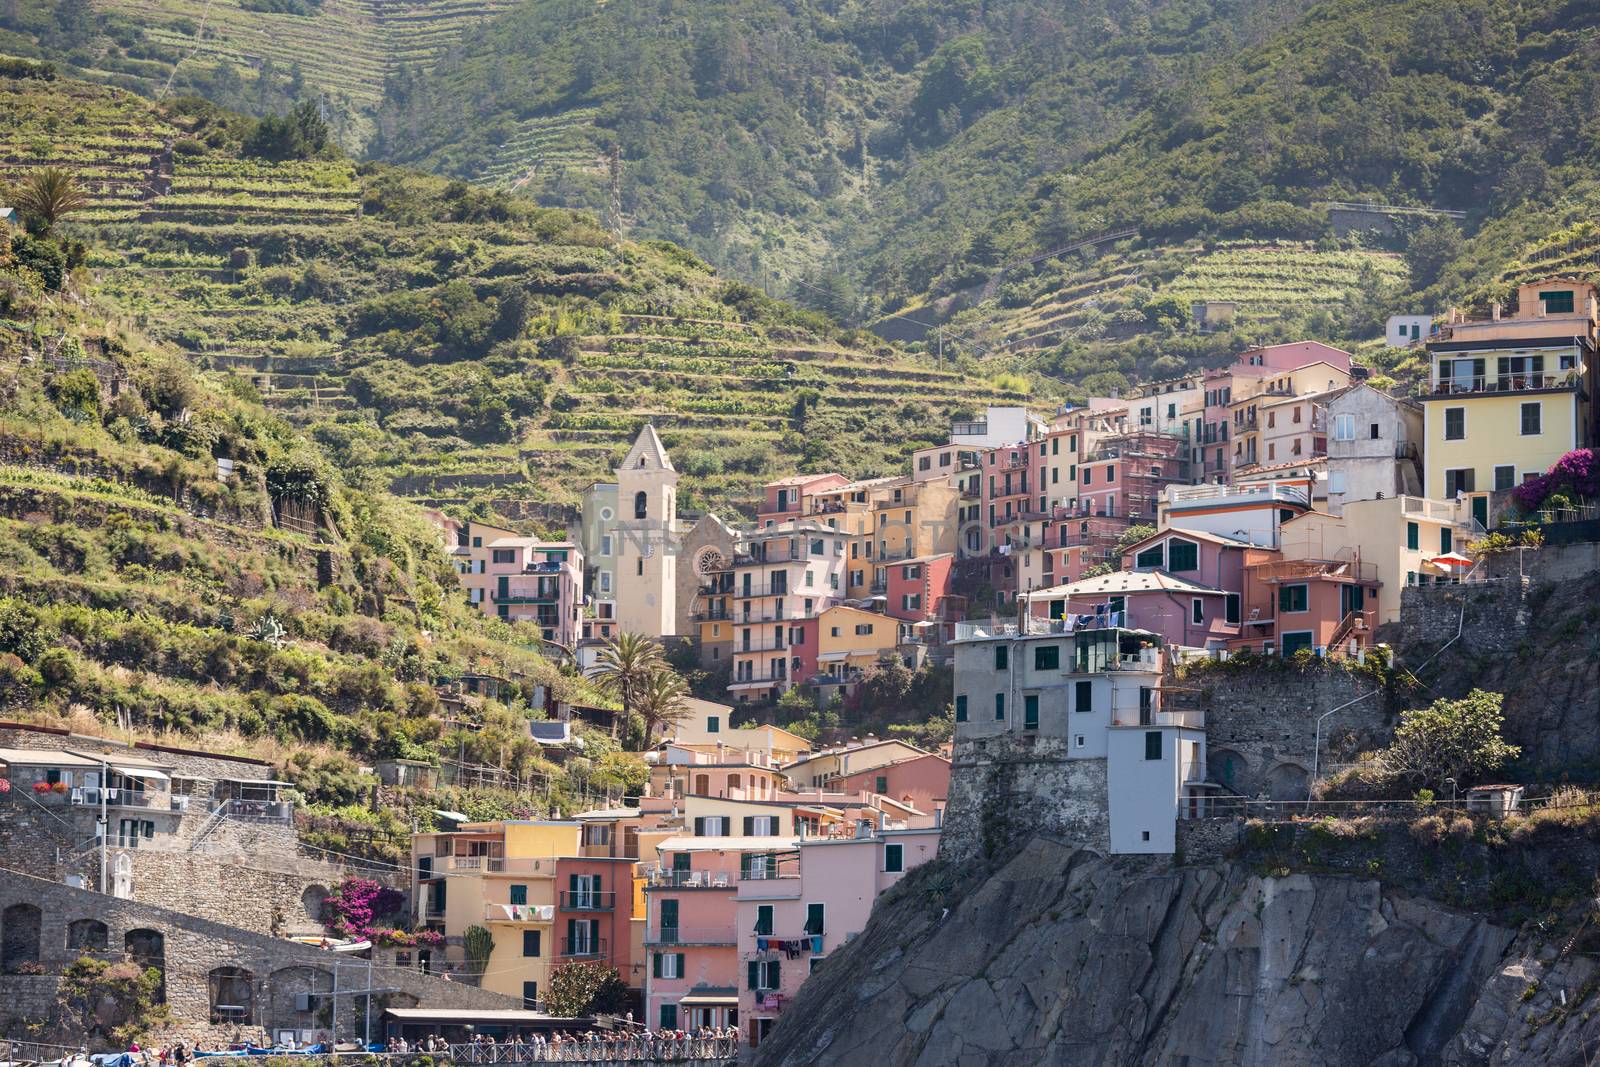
point(103, 823)
point(614, 172)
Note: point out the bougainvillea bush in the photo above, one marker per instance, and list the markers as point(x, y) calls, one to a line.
point(365, 909)
point(1578, 471)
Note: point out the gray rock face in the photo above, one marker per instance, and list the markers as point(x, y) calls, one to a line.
point(1062, 957)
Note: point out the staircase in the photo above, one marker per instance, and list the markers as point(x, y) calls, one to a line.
point(219, 815)
point(1354, 622)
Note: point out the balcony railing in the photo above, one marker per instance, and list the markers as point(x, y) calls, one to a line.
point(582, 946)
point(497, 864)
point(593, 901)
point(759, 679)
point(748, 592)
point(1293, 569)
point(1501, 383)
point(668, 878)
point(691, 935)
point(719, 615)
point(763, 646)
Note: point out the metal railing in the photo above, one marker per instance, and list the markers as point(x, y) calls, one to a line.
point(692, 935)
point(583, 946)
point(588, 901)
point(667, 878)
point(1500, 383)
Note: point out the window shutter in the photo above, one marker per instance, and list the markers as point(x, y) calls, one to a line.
point(655, 965)
point(749, 826)
point(744, 865)
point(699, 826)
point(753, 973)
point(678, 956)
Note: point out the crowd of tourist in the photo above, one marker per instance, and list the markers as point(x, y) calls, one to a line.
point(707, 1042)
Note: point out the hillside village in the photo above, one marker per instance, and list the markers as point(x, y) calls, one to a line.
point(436, 627)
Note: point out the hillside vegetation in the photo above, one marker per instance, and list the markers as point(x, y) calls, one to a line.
point(178, 563)
point(453, 343)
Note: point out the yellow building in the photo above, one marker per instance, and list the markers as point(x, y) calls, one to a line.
point(1510, 394)
point(500, 876)
point(850, 641)
point(1259, 409)
point(1396, 535)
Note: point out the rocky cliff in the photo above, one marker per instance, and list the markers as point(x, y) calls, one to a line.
point(1063, 957)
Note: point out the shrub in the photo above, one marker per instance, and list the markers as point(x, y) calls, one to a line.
point(1428, 830)
point(1461, 829)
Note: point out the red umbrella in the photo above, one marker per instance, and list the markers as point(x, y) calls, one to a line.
point(1452, 560)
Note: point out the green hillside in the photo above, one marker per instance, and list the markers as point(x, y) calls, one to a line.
point(256, 56)
point(452, 343)
point(177, 562)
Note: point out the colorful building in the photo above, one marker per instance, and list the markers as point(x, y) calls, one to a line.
point(922, 781)
point(800, 905)
point(1507, 396)
point(785, 573)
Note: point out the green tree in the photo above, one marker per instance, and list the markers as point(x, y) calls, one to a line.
point(1431, 248)
point(1457, 739)
point(77, 394)
point(113, 1002)
point(479, 945)
point(1132, 536)
point(662, 703)
point(46, 196)
point(301, 134)
point(625, 667)
point(585, 987)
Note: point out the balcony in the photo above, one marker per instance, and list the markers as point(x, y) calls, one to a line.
point(595, 901)
point(516, 599)
point(762, 646)
point(519, 913)
point(691, 935)
point(1180, 495)
point(766, 885)
point(576, 947)
point(1289, 570)
point(668, 878)
point(1189, 718)
point(1500, 383)
point(757, 680)
point(718, 615)
point(497, 865)
point(750, 592)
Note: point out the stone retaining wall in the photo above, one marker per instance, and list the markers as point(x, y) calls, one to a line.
point(1005, 788)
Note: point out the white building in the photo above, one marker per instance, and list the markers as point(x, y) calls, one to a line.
point(1000, 426)
point(1251, 512)
point(1402, 330)
point(1374, 446)
point(1092, 695)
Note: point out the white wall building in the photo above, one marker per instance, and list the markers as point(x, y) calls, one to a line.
point(999, 426)
point(1402, 330)
point(1374, 446)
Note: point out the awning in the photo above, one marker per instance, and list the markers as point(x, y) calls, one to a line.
point(142, 773)
point(708, 1001)
point(465, 1015)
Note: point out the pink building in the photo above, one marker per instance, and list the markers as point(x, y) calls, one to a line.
point(691, 924)
point(522, 579)
point(1294, 355)
point(919, 589)
point(790, 498)
point(921, 781)
point(806, 902)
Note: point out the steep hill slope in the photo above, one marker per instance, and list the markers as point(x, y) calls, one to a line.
point(256, 56)
point(454, 342)
point(176, 561)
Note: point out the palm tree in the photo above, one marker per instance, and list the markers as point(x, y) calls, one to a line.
point(662, 703)
point(625, 666)
point(46, 195)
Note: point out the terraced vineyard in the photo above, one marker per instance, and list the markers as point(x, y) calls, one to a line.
point(1268, 281)
point(108, 138)
point(344, 49)
point(462, 344)
point(542, 148)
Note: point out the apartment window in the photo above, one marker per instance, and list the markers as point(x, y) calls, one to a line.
point(881, 784)
point(961, 709)
point(816, 919)
point(999, 706)
point(1505, 477)
point(1412, 536)
point(1272, 419)
point(1455, 424)
point(1088, 475)
point(834, 631)
point(710, 825)
point(1047, 658)
point(762, 825)
point(530, 996)
point(863, 629)
point(1374, 433)
point(530, 942)
point(1152, 744)
point(670, 965)
point(763, 920)
point(1344, 427)
point(911, 601)
point(669, 1015)
point(1182, 555)
point(1154, 556)
point(1557, 302)
point(1002, 657)
point(1292, 598)
point(713, 724)
point(924, 463)
point(1030, 712)
point(761, 975)
point(1532, 419)
point(1457, 481)
point(894, 858)
point(1197, 610)
point(1111, 474)
point(509, 555)
point(519, 894)
point(1231, 602)
point(1446, 542)
point(1083, 696)
point(639, 567)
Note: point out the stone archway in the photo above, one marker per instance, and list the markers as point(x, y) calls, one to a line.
point(233, 994)
point(1229, 769)
point(315, 902)
point(87, 935)
point(19, 937)
point(1288, 781)
point(148, 948)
